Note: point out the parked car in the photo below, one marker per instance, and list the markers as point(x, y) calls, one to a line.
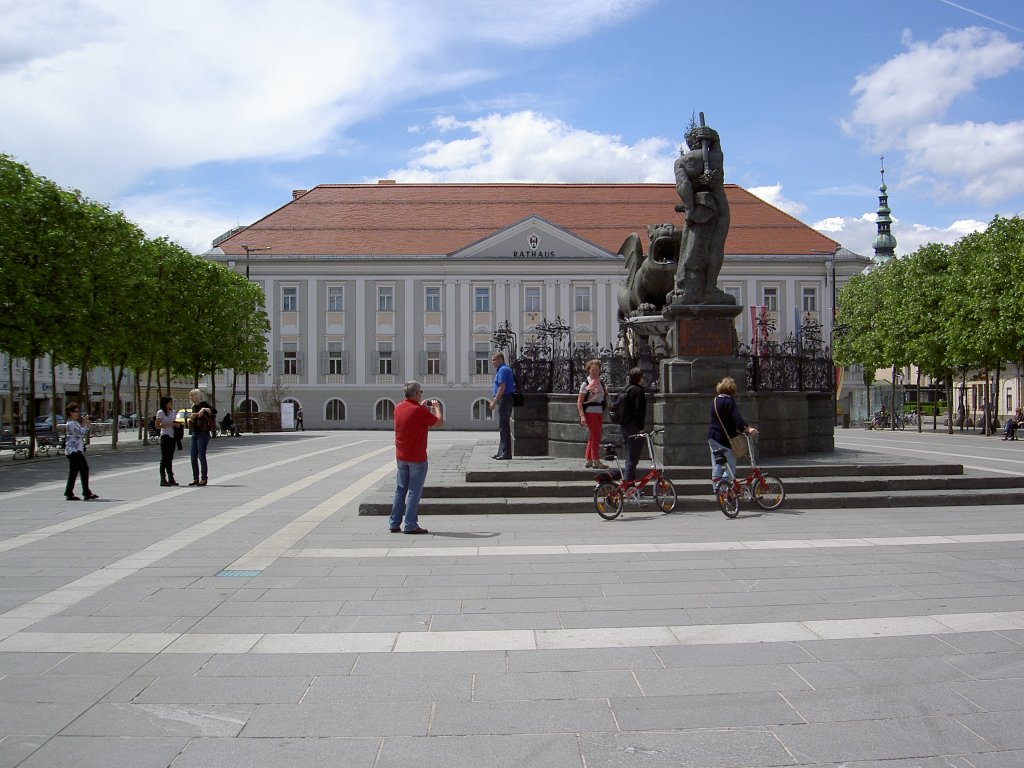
point(45, 423)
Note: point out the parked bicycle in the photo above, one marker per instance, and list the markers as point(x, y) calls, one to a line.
point(767, 491)
point(611, 491)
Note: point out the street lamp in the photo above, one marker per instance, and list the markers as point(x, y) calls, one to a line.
point(830, 267)
point(248, 403)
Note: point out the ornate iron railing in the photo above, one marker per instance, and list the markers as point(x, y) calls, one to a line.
point(801, 363)
point(550, 362)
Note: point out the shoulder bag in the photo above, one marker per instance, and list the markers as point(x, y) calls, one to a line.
point(738, 443)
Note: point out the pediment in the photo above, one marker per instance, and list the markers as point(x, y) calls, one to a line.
point(531, 239)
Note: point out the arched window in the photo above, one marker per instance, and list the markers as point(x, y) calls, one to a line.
point(242, 406)
point(384, 411)
point(335, 410)
point(481, 412)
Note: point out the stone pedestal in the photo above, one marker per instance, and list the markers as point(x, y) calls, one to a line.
point(702, 330)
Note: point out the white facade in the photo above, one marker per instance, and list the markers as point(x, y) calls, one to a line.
point(347, 331)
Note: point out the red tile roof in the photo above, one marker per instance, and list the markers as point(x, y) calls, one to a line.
point(436, 219)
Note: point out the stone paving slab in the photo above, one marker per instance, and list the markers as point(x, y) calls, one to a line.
point(818, 637)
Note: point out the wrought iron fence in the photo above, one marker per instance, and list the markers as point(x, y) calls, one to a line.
point(801, 363)
point(549, 361)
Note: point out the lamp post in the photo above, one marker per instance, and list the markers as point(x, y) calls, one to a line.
point(248, 403)
point(830, 272)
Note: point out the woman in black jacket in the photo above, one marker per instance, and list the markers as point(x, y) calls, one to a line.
point(634, 413)
point(726, 423)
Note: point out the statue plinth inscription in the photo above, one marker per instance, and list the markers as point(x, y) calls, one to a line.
point(702, 330)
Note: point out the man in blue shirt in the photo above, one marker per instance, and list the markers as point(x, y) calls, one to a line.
point(501, 398)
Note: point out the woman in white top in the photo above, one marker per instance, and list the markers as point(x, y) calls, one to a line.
point(74, 449)
point(165, 423)
point(591, 404)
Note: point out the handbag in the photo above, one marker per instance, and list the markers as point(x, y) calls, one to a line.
point(738, 443)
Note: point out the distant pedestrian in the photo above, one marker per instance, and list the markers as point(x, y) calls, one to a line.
point(591, 404)
point(298, 420)
point(501, 400)
point(164, 421)
point(75, 451)
point(414, 417)
point(202, 424)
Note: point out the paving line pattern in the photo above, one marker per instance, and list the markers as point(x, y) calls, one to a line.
point(512, 639)
point(103, 514)
point(598, 549)
point(57, 600)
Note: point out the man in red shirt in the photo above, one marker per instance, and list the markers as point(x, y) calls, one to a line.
point(413, 418)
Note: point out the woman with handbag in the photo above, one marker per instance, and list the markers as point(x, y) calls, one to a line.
point(725, 429)
point(591, 405)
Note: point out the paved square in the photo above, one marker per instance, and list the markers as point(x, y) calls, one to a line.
point(260, 620)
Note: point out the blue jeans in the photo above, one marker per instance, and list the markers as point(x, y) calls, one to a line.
point(504, 410)
point(199, 442)
point(408, 488)
point(634, 450)
point(716, 469)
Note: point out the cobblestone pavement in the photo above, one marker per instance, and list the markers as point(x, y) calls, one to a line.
point(260, 621)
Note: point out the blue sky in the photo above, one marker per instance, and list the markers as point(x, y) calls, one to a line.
point(199, 115)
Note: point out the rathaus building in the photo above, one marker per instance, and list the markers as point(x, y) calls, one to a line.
point(369, 285)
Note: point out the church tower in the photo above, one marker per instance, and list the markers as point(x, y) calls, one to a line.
point(884, 243)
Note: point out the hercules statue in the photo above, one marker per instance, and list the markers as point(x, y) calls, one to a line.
point(701, 188)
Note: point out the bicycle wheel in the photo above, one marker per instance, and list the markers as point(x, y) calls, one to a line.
point(769, 493)
point(728, 500)
point(665, 494)
point(608, 500)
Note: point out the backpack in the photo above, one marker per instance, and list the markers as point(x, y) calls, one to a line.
point(618, 405)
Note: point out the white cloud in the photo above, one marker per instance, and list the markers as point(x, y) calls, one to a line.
point(98, 93)
point(919, 86)
point(900, 105)
point(773, 195)
point(857, 233)
point(992, 171)
point(191, 221)
point(529, 147)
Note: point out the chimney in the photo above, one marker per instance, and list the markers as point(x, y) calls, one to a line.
point(297, 193)
point(385, 182)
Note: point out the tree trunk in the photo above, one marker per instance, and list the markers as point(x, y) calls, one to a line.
point(919, 419)
point(892, 400)
point(53, 392)
point(32, 407)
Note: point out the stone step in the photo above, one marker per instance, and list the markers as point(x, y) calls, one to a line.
point(538, 473)
point(699, 487)
point(488, 504)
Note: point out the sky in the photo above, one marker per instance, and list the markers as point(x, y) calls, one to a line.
point(197, 116)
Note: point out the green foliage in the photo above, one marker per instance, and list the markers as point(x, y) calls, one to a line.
point(942, 308)
point(84, 284)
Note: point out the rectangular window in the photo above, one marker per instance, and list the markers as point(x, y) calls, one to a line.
point(481, 299)
point(582, 298)
point(531, 299)
point(432, 299)
point(770, 298)
point(385, 298)
point(335, 298)
point(291, 359)
point(336, 358)
point(433, 366)
point(481, 359)
point(810, 299)
point(289, 299)
point(385, 362)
